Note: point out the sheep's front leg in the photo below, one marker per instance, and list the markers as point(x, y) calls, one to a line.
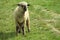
point(23, 29)
point(23, 26)
point(17, 29)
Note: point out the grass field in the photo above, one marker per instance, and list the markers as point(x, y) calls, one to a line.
point(44, 16)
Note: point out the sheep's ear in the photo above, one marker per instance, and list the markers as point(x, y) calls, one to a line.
point(18, 4)
point(28, 5)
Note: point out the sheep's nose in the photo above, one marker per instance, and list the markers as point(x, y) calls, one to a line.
point(25, 8)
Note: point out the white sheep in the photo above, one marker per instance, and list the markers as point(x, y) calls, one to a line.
point(22, 18)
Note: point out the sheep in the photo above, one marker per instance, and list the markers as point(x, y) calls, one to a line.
point(22, 19)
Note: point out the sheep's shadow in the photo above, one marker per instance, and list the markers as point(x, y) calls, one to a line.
point(6, 36)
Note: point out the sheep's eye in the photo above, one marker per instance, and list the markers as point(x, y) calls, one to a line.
point(22, 6)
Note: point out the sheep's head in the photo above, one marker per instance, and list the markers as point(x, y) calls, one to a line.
point(23, 5)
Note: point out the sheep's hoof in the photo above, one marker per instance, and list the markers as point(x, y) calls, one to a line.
point(28, 30)
point(19, 31)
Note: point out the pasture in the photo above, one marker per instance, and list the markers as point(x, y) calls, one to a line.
point(44, 20)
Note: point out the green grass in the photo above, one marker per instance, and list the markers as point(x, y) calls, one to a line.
point(41, 11)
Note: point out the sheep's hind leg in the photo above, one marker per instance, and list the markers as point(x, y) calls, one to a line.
point(28, 25)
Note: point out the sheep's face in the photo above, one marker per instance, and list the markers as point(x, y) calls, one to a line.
point(23, 5)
